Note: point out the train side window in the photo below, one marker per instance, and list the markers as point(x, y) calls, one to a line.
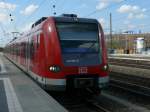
point(38, 40)
point(31, 48)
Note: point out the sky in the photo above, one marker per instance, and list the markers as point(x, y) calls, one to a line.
point(127, 15)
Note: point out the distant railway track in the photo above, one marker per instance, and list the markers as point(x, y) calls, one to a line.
point(136, 84)
point(130, 63)
point(138, 89)
point(133, 83)
point(139, 80)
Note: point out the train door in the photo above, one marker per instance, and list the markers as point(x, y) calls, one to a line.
point(37, 52)
point(41, 57)
point(34, 54)
point(26, 53)
point(31, 52)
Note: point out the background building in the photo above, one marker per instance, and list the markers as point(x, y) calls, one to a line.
point(128, 43)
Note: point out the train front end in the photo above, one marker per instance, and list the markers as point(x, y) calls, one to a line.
point(81, 58)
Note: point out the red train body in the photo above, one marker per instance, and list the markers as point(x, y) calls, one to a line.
point(62, 52)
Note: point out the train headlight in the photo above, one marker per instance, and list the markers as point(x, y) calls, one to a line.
point(54, 68)
point(105, 68)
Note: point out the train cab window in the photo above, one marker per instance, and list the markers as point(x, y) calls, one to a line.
point(79, 42)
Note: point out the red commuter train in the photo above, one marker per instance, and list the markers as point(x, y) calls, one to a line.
point(62, 53)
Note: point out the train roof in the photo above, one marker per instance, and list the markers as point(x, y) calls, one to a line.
point(61, 18)
point(65, 18)
point(39, 21)
point(74, 19)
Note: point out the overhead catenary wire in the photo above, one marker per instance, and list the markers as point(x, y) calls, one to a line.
point(138, 26)
point(1, 24)
point(3, 38)
point(7, 11)
point(9, 14)
point(23, 7)
point(121, 18)
point(10, 17)
point(125, 25)
point(96, 11)
point(2, 28)
point(62, 5)
point(25, 20)
point(41, 3)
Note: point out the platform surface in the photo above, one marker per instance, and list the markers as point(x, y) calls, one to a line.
point(135, 56)
point(19, 93)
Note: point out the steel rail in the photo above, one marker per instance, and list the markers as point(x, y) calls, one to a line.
point(135, 88)
point(95, 105)
point(146, 66)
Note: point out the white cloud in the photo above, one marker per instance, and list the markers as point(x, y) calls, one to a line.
point(126, 22)
point(142, 25)
point(27, 27)
point(144, 9)
point(130, 15)
point(9, 6)
point(137, 16)
point(29, 9)
point(131, 26)
point(125, 9)
point(117, 0)
point(83, 5)
point(133, 11)
point(129, 8)
point(101, 5)
point(102, 22)
point(140, 16)
point(105, 3)
point(4, 17)
point(108, 1)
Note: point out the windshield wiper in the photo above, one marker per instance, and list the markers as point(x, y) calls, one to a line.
point(89, 48)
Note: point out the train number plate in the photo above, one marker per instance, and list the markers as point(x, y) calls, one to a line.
point(83, 82)
point(83, 70)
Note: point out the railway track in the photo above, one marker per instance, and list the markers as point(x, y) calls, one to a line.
point(133, 79)
point(96, 106)
point(136, 84)
point(134, 88)
point(76, 103)
point(145, 64)
point(79, 103)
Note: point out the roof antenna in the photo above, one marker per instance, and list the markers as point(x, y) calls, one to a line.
point(54, 7)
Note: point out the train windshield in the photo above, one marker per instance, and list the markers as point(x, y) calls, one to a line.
point(80, 43)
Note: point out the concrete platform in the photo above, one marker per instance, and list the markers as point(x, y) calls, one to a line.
point(19, 93)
